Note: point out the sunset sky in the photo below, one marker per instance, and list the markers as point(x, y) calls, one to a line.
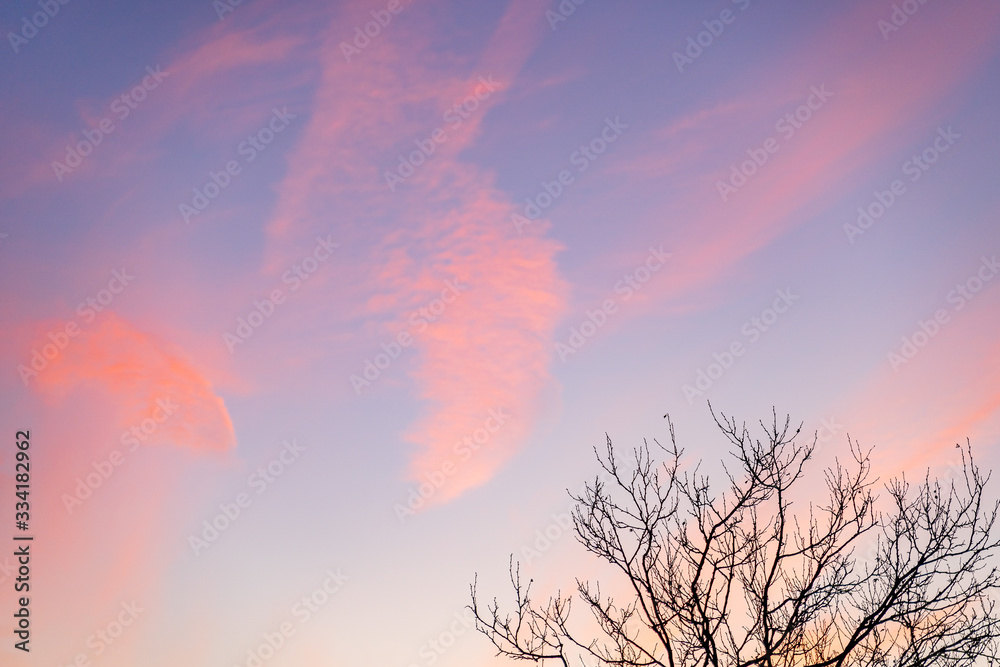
point(369, 300)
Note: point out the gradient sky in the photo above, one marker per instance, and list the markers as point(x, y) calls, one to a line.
point(574, 252)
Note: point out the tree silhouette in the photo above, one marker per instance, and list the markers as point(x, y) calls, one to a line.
point(740, 580)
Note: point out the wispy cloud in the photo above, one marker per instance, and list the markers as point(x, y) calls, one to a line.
point(877, 109)
point(138, 370)
point(493, 345)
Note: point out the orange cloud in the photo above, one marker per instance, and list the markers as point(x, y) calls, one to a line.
point(114, 515)
point(146, 381)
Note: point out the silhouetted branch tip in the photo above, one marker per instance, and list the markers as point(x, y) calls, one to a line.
point(737, 578)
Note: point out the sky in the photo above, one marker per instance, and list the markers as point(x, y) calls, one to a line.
point(313, 311)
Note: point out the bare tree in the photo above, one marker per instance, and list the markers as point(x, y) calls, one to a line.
point(740, 580)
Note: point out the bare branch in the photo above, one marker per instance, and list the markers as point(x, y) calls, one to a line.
point(741, 579)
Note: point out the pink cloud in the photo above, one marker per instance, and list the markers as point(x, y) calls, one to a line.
point(202, 86)
point(879, 107)
point(490, 349)
point(947, 392)
point(111, 514)
point(146, 380)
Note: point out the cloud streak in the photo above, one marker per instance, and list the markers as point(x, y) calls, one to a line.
point(140, 373)
point(491, 348)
